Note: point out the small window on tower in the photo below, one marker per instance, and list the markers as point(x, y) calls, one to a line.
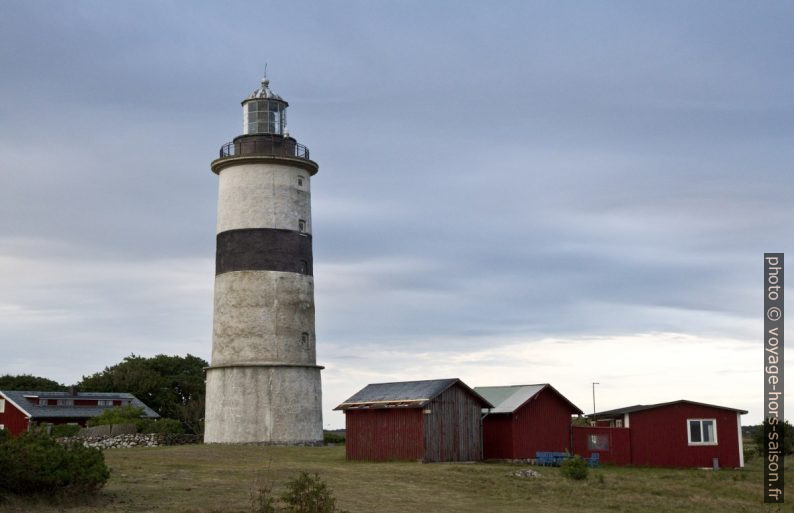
point(300, 181)
point(304, 267)
point(301, 225)
point(305, 338)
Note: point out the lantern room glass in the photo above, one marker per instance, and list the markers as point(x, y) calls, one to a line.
point(264, 117)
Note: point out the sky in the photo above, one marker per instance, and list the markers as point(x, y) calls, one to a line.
point(509, 193)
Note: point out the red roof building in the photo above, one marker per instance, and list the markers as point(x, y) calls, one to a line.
point(19, 409)
point(433, 420)
point(675, 434)
point(526, 419)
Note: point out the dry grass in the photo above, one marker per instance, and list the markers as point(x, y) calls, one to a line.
point(215, 479)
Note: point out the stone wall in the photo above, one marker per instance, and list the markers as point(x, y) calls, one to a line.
point(133, 440)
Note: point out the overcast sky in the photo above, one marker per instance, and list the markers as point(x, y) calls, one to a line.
point(511, 192)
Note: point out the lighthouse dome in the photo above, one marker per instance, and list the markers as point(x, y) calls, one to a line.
point(264, 112)
point(263, 91)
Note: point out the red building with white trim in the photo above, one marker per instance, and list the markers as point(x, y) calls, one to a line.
point(526, 419)
point(18, 409)
point(676, 434)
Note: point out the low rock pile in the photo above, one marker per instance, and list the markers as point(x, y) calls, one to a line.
point(526, 473)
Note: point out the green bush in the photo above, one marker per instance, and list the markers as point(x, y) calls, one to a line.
point(333, 438)
point(4, 435)
point(35, 463)
point(62, 430)
point(787, 437)
point(263, 501)
point(749, 454)
point(574, 468)
point(305, 494)
point(117, 415)
point(164, 426)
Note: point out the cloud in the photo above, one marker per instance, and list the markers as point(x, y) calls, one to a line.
point(643, 368)
point(490, 177)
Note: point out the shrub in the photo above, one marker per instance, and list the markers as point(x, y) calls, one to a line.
point(333, 438)
point(305, 494)
point(574, 468)
point(35, 463)
point(309, 494)
point(749, 454)
point(787, 437)
point(62, 430)
point(262, 500)
point(164, 426)
point(118, 415)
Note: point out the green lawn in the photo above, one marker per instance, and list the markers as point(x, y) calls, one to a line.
point(213, 479)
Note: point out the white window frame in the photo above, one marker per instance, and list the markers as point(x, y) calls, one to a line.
point(689, 432)
point(2, 405)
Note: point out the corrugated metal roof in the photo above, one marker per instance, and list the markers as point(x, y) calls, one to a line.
point(641, 407)
point(42, 412)
point(402, 394)
point(508, 399)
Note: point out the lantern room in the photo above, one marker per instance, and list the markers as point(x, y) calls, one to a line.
point(264, 112)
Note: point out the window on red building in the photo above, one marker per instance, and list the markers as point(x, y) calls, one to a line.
point(702, 431)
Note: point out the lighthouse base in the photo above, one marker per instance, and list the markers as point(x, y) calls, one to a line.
point(272, 404)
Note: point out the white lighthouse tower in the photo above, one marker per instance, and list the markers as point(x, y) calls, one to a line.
point(263, 383)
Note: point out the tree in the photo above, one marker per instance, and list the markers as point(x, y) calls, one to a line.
point(171, 385)
point(121, 415)
point(28, 382)
point(787, 433)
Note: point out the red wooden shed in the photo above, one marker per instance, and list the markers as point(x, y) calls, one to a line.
point(18, 409)
point(526, 419)
point(676, 434)
point(433, 420)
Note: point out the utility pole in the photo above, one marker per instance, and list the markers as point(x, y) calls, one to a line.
point(594, 408)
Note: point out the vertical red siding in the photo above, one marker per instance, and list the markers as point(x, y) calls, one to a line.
point(384, 434)
point(619, 451)
point(14, 420)
point(453, 428)
point(542, 424)
point(659, 437)
point(497, 431)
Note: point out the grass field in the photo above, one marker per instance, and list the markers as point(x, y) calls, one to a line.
point(214, 479)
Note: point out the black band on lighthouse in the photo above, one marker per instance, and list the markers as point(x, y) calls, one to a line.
point(263, 249)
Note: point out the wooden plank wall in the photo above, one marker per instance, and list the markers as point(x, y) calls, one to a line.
point(453, 428)
point(384, 434)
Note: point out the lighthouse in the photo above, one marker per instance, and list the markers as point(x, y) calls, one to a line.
point(263, 383)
